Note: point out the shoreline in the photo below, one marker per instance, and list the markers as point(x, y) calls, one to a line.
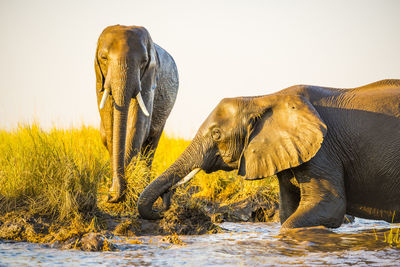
point(182, 219)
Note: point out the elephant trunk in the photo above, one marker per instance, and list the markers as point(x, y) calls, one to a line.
point(122, 93)
point(187, 163)
point(118, 158)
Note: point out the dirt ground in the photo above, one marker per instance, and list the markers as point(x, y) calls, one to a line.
point(183, 218)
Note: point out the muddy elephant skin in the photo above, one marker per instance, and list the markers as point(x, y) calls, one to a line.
point(334, 151)
point(136, 87)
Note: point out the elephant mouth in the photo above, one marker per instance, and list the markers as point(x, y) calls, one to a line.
point(187, 178)
point(138, 97)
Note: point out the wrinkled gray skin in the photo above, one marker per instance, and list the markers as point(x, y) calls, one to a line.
point(334, 151)
point(128, 62)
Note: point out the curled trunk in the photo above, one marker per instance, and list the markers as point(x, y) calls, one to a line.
point(188, 161)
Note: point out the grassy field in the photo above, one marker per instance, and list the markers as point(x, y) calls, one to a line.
point(64, 175)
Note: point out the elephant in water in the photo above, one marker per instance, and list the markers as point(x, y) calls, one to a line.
point(136, 87)
point(334, 151)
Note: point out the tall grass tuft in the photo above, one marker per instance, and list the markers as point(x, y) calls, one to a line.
point(53, 173)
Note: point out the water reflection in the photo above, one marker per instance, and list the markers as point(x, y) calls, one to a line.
point(246, 244)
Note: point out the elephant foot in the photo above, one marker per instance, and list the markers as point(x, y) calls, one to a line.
point(117, 193)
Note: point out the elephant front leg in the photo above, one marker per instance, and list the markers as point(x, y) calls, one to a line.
point(151, 143)
point(148, 150)
point(289, 194)
point(322, 203)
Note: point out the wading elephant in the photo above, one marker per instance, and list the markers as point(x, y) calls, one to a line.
point(334, 151)
point(136, 87)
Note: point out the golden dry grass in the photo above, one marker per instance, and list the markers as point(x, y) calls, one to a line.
point(65, 175)
point(53, 173)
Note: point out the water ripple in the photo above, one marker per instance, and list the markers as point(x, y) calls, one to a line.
point(246, 244)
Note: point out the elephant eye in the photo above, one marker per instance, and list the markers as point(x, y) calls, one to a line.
point(103, 56)
point(216, 134)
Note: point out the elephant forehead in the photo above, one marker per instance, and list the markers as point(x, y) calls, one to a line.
point(227, 108)
point(228, 113)
point(121, 29)
point(121, 36)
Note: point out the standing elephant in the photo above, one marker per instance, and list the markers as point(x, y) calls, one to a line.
point(334, 151)
point(136, 87)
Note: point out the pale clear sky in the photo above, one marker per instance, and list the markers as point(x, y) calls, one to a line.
point(222, 49)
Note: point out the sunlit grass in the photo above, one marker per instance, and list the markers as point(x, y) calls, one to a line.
point(392, 236)
point(53, 173)
point(65, 174)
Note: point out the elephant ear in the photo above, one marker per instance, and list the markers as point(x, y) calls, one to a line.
point(148, 77)
point(286, 133)
point(99, 74)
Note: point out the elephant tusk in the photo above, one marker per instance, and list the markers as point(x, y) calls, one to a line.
point(141, 104)
point(187, 178)
point(103, 100)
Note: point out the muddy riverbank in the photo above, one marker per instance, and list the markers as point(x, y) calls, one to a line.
point(185, 217)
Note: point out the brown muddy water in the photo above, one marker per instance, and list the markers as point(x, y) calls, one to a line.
point(245, 244)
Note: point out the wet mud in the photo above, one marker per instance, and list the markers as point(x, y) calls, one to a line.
point(185, 217)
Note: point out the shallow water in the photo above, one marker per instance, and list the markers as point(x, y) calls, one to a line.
point(247, 244)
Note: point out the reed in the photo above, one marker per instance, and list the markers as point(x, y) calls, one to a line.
point(391, 236)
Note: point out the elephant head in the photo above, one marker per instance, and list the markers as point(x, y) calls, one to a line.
point(259, 136)
point(125, 66)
